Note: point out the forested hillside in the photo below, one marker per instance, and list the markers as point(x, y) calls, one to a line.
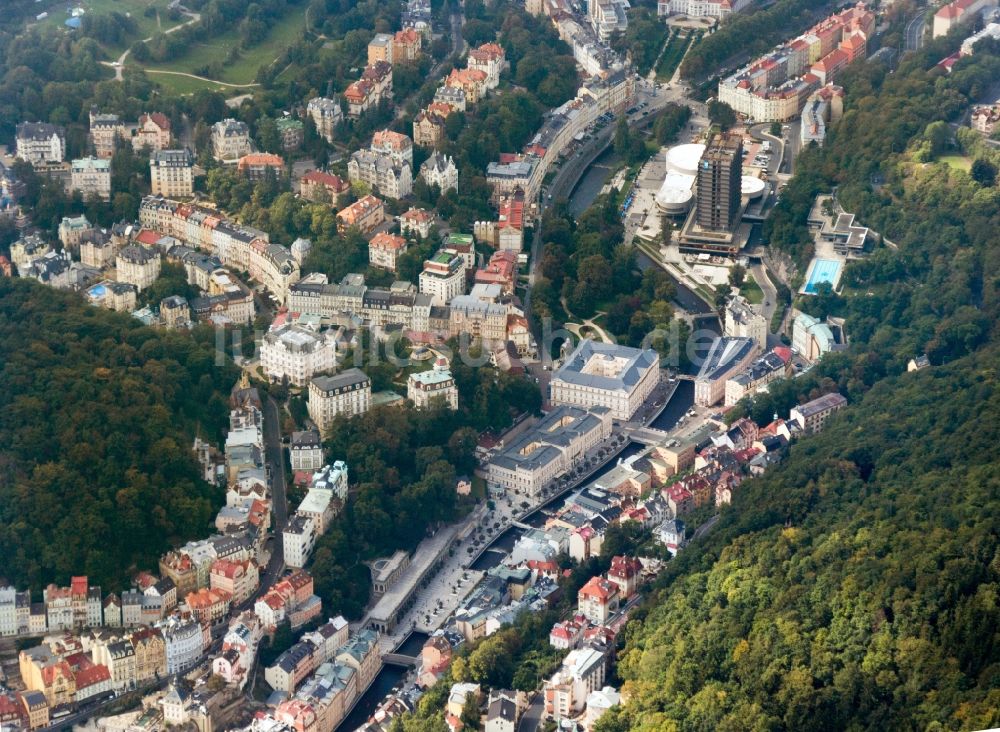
point(97, 414)
point(856, 585)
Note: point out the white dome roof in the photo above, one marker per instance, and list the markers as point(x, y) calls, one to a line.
point(751, 186)
point(684, 158)
point(675, 194)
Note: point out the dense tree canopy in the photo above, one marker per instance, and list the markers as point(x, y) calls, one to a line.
point(97, 414)
point(852, 587)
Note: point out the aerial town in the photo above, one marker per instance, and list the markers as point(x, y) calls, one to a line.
point(505, 366)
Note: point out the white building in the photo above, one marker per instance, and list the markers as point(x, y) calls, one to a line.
point(599, 374)
point(555, 446)
point(700, 8)
point(15, 608)
point(171, 172)
point(726, 357)
point(440, 170)
point(392, 179)
point(598, 702)
point(137, 266)
point(608, 17)
point(583, 672)
point(230, 140)
point(40, 143)
point(326, 114)
point(743, 320)
point(296, 352)
point(813, 415)
point(435, 386)
point(305, 451)
point(671, 534)
point(443, 277)
point(298, 540)
point(348, 393)
point(184, 641)
point(92, 177)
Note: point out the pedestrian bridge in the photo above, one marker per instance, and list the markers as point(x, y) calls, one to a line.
point(646, 435)
point(400, 659)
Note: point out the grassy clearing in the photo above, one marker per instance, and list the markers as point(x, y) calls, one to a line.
point(146, 27)
point(751, 291)
point(671, 58)
point(958, 162)
point(243, 71)
point(187, 85)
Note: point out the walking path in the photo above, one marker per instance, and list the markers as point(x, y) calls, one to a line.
point(120, 63)
point(202, 78)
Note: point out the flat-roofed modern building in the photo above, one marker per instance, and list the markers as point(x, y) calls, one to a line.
point(602, 374)
point(719, 183)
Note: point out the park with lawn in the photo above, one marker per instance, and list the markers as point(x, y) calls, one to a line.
point(145, 18)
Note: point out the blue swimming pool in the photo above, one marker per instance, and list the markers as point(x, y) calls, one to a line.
point(824, 270)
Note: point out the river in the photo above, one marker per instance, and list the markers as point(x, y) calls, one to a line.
point(388, 679)
point(593, 180)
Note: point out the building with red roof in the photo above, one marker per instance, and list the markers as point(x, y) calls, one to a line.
point(957, 12)
point(598, 600)
point(148, 237)
point(153, 132)
point(322, 187)
point(255, 165)
point(406, 46)
point(239, 580)
point(625, 572)
point(92, 680)
point(679, 499)
point(500, 270)
point(384, 250)
point(471, 81)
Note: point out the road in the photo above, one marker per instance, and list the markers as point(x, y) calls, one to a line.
point(458, 46)
point(705, 527)
point(762, 132)
point(763, 280)
point(274, 454)
point(915, 32)
point(532, 717)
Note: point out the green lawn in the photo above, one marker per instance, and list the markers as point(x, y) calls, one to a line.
point(751, 291)
point(959, 162)
point(671, 58)
point(187, 85)
point(282, 35)
point(146, 27)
